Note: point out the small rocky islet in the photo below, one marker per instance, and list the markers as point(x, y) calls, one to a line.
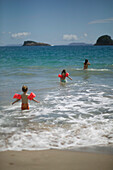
point(33, 43)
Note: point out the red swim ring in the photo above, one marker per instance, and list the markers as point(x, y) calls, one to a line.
point(31, 96)
point(17, 96)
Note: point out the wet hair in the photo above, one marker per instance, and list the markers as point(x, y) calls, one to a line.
point(63, 71)
point(86, 61)
point(24, 88)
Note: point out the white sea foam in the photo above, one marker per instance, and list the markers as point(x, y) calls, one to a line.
point(69, 117)
point(91, 69)
point(98, 69)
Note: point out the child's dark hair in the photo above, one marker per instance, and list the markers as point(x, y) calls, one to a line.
point(63, 71)
point(24, 88)
point(86, 60)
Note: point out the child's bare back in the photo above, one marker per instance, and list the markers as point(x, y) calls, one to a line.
point(24, 98)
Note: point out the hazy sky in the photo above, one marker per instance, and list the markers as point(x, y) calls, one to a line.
point(55, 21)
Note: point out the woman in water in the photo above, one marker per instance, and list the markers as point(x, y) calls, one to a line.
point(86, 64)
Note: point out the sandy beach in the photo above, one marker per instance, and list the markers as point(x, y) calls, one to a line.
point(54, 160)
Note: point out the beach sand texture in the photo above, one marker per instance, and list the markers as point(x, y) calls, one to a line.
point(54, 160)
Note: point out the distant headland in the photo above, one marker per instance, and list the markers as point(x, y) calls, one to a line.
point(104, 40)
point(33, 43)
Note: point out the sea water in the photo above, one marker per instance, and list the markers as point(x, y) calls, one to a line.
point(72, 115)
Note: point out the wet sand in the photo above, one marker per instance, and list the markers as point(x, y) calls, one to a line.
point(54, 160)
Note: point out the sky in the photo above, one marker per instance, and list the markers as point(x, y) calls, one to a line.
point(57, 22)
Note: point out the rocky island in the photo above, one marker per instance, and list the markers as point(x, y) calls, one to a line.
point(33, 43)
point(104, 40)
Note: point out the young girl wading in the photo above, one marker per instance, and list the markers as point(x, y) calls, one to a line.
point(63, 76)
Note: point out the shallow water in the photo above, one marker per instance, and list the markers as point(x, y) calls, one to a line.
point(76, 114)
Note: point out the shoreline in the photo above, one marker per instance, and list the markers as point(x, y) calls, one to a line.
point(107, 149)
point(55, 160)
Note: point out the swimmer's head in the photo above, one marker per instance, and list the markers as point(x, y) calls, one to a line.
point(86, 61)
point(63, 72)
point(24, 88)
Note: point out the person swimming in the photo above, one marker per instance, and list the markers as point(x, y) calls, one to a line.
point(86, 64)
point(63, 76)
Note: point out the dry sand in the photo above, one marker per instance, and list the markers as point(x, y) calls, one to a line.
point(54, 160)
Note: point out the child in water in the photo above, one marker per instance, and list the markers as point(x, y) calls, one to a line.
point(25, 97)
point(86, 64)
point(63, 76)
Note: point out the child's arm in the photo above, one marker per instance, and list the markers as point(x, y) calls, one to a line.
point(70, 78)
point(35, 100)
point(15, 101)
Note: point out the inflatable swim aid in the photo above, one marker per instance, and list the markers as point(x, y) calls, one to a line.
point(67, 74)
point(31, 96)
point(60, 76)
point(17, 96)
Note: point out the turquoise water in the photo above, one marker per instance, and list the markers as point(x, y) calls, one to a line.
point(77, 114)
